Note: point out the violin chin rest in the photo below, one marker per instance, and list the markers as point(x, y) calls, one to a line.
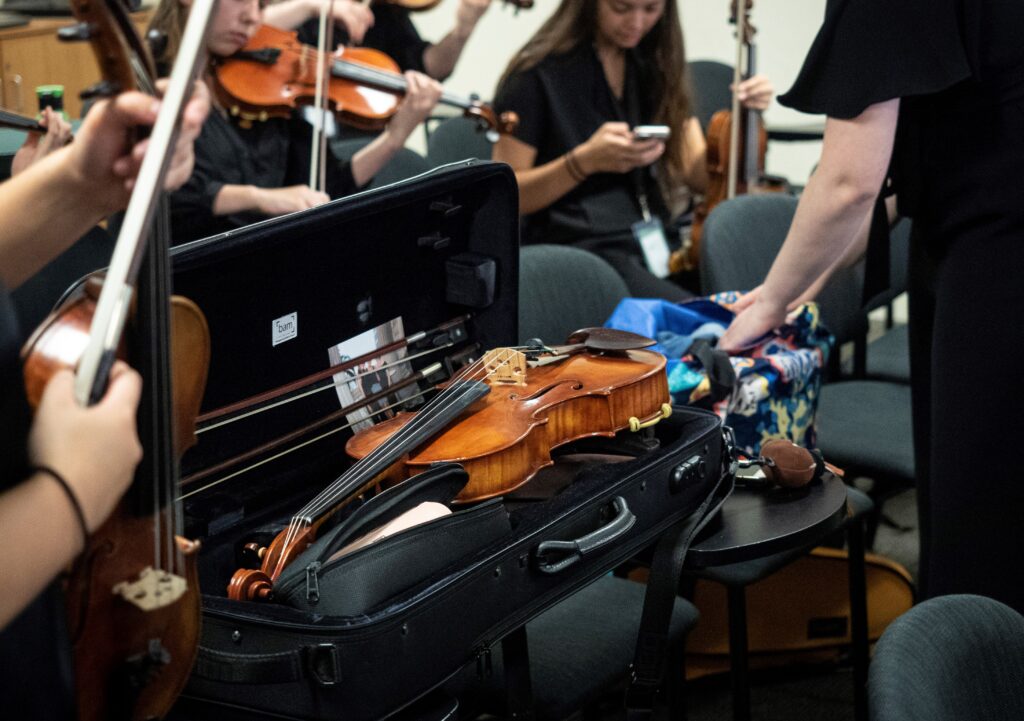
point(609, 339)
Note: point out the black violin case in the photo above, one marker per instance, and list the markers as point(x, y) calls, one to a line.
point(366, 637)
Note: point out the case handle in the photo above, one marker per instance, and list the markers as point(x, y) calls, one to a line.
point(569, 552)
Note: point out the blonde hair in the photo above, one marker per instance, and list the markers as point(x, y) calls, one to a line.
point(661, 50)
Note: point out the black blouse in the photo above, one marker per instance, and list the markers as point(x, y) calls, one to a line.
point(271, 154)
point(561, 101)
point(35, 657)
point(958, 66)
point(393, 33)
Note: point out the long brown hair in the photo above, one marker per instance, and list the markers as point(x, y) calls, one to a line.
point(662, 55)
point(169, 18)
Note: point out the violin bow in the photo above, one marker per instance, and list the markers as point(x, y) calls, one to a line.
point(325, 40)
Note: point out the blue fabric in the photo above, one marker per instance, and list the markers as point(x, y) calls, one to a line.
point(778, 379)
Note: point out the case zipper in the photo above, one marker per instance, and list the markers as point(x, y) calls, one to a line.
point(312, 582)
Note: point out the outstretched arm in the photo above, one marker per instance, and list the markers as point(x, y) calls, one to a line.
point(828, 220)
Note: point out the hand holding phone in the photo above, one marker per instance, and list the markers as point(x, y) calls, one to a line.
point(651, 132)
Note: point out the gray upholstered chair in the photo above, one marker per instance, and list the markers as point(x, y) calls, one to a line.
point(456, 139)
point(951, 658)
point(405, 164)
point(563, 289)
point(709, 81)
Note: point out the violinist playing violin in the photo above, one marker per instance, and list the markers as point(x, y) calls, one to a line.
point(63, 472)
point(386, 26)
point(246, 174)
point(595, 70)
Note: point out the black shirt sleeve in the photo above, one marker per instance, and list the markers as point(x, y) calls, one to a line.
point(524, 95)
point(394, 34)
point(340, 181)
point(870, 51)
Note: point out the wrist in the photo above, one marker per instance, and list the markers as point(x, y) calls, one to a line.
point(581, 158)
point(69, 496)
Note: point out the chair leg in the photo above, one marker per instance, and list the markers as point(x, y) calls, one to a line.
point(858, 618)
point(738, 653)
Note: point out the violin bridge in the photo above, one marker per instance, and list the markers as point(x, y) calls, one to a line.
point(153, 589)
point(505, 366)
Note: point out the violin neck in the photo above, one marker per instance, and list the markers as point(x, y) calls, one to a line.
point(115, 299)
point(751, 134)
point(428, 422)
point(389, 82)
point(19, 122)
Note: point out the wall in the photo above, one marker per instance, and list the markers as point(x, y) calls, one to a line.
point(785, 31)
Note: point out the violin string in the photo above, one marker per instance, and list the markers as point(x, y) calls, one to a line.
point(459, 388)
point(378, 76)
point(329, 386)
point(303, 519)
point(292, 449)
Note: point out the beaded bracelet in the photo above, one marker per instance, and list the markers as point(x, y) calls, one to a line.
point(71, 497)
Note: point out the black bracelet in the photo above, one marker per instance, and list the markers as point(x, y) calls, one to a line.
point(71, 497)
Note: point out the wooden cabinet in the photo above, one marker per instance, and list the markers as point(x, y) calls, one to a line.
point(32, 55)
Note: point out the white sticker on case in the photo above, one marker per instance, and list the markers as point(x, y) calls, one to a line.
point(284, 328)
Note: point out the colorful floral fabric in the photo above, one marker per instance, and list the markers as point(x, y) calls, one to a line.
point(777, 381)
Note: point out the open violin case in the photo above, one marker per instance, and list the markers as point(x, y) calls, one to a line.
point(366, 635)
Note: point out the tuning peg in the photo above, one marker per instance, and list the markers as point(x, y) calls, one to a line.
point(102, 89)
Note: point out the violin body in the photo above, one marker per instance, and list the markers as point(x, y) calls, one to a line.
point(130, 662)
point(134, 630)
point(509, 434)
point(275, 73)
point(256, 91)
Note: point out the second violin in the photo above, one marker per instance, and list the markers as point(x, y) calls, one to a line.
point(275, 73)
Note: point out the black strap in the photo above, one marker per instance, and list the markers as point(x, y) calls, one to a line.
point(659, 600)
point(319, 662)
point(716, 364)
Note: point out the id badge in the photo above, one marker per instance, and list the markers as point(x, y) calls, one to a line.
point(651, 236)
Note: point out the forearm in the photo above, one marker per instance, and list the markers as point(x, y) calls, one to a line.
point(231, 199)
point(370, 159)
point(289, 14)
point(439, 59)
point(835, 207)
point(854, 251)
point(36, 512)
point(45, 209)
point(541, 186)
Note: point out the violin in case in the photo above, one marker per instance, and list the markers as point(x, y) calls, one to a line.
point(394, 312)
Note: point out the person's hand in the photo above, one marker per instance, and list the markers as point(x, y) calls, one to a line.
point(420, 99)
point(36, 146)
point(101, 159)
point(279, 201)
point(744, 301)
point(468, 14)
point(613, 149)
point(761, 316)
point(355, 16)
point(95, 449)
point(755, 92)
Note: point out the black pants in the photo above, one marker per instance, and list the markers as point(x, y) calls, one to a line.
point(625, 257)
point(967, 353)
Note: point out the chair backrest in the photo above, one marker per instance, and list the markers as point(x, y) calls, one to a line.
point(563, 289)
point(741, 238)
point(951, 657)
point(405, 164)
point(709, 82)
point(457, 139)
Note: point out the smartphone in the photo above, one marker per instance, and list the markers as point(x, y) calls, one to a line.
point(651, 132)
